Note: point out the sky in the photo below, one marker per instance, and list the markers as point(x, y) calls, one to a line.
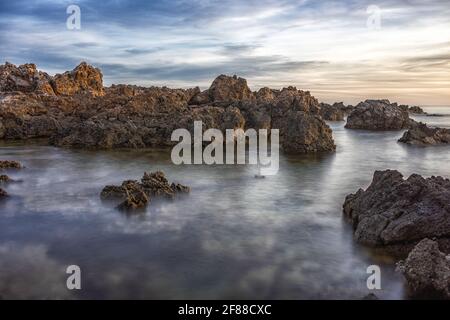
point(338, 50)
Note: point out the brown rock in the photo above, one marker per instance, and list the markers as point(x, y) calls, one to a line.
point(135, 195)
point(427, 271)
point(84, 78)
point(332, 112)
point(25, 78)
point(4, 178)
point(3, 193)
point(8, 164)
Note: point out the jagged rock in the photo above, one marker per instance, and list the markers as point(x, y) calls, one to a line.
point(378, 115)
point(10, 164)
point(84, 78)
point(224, 89)
point(427, 271)
point(124, 116)
point(134, 194)
point(416, 110)
point(398, 213)
point(332, 112)
point(25, 78)
point(421, 135)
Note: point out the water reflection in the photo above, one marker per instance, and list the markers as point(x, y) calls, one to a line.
point(234, 236)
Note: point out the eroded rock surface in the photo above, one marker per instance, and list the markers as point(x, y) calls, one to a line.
point(335, 112)
point(399, 212)
point(378, 115)
point(427, 271)
point(81, 113)
point(137, 194)
point(421, 135)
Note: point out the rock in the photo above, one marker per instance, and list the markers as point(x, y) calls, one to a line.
point(332, 112)
point(4, 178)
point(135, 195)
point(378, 115)
point(395, 213)
point(9, 164)
point(25, 78)
point(416, 110)
point(82, 113)
point(427, 271)
point(84, 78)
point(224, 89)
point(3, 193)
point(421, 135)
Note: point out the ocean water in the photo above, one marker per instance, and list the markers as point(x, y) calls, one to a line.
point(233, 236)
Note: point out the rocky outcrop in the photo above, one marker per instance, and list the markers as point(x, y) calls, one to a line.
point(24, 78)
point(427, 271)
point(398, 213)
point(378, 115)
point(416, 110)
point(135, 195)
point(82, 113)
point(4, 178)
point(10, 164)
point(83, 79)
point(333, 112)
point(421, 135)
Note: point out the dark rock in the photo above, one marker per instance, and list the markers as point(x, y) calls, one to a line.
point(398, 213)
point(3, 193)
point(427, 271)
point(333, 112)
point(10, 164)
point(416, 110)
point(135, 195)
point(378, 115)
point(421, 135)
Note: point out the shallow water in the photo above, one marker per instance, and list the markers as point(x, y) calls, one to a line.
point(234, 236)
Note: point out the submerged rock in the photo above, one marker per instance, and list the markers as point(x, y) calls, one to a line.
point(135, 195)
point(396, 213)
point(427, 271)
point(378, 115)
point(10, 164)
point(3, 193)
point(421, 135)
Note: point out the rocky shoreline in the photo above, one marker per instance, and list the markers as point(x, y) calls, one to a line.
point(74, 109)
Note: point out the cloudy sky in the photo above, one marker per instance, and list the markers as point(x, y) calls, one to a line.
point(339, 50)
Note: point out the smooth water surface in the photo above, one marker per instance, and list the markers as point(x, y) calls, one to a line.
point(233, 236)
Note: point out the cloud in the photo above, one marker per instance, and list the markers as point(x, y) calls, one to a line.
point(324, 46)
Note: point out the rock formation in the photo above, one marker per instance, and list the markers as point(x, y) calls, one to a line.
point(378, 115)
point(398, 213)
point(3, 193)
point(136, 195)
point(9, 164)
point(335, 112)
point(25, 78)
point(421, 135)
point(416, 110)
point(81, 113)
point(4, 178)
point(427, 271)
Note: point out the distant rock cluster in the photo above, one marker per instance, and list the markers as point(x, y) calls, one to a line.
point(5, 179)
point(335, 112)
